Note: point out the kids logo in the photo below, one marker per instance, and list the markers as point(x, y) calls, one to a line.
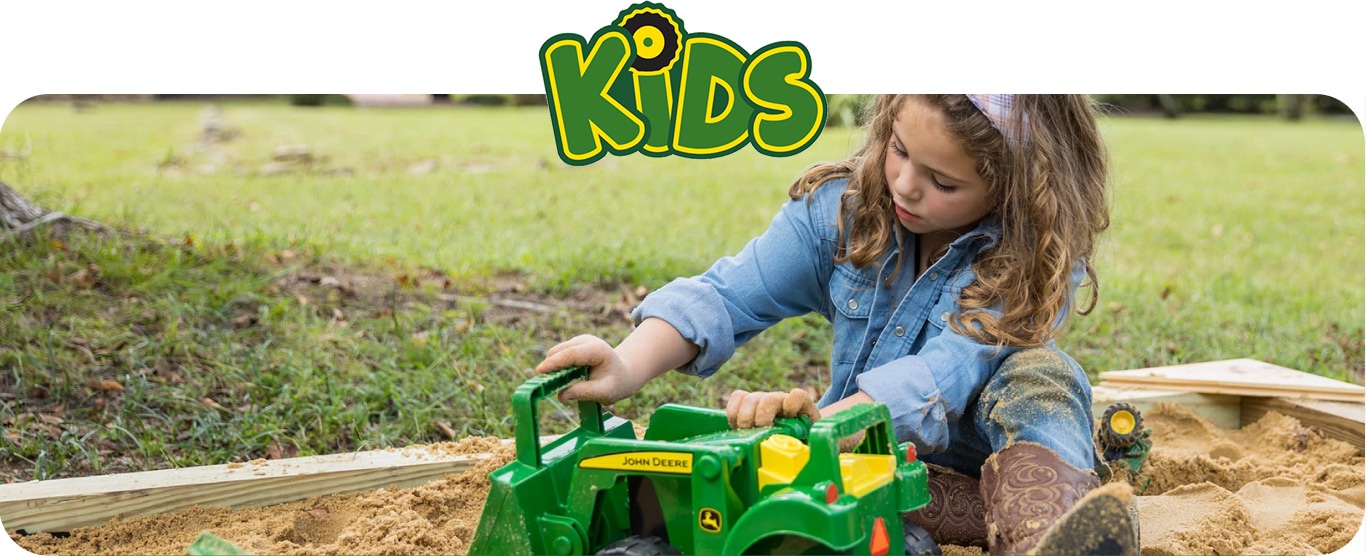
point(644, 84)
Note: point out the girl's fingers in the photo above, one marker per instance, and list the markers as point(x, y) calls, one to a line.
point(575, 352)
point(769, 406)
point(799, 402)
point(748, 407)
point(581, 338)
point(733, 406)
point(746, 410)
point(585, 391)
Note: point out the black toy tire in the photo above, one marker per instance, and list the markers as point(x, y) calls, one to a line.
point(1122, 440)
point(918, 541)
point(666, 29)
point(639, 546)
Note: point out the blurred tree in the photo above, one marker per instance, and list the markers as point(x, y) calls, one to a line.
point(1169, 106)
point(319, 100)
point(306, 100)
point(528, 100)
point(486, 100)
point(845, 110)
point(1291, 107)
point(1325, 104)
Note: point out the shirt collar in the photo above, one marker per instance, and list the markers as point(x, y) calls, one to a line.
point(987, 232)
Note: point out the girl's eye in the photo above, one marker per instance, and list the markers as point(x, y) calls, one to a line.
point(897, 149)
point(940, 186)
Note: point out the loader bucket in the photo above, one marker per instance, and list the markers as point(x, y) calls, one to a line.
point(503, 525)
point(527, 496)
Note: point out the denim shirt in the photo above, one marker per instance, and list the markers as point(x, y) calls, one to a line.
point(894, 343)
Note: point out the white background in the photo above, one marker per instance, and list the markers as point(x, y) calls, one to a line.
point(254, 46)
point(285, 46)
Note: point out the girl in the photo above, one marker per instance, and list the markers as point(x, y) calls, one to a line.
point(947, 253)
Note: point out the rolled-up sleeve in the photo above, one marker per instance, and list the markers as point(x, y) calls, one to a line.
point(928, 391)
point(782, 273)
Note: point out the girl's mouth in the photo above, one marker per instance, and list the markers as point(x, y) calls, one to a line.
point(904, 215)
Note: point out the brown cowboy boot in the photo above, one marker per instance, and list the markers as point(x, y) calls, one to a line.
point(1036, 503)
point(955, 514)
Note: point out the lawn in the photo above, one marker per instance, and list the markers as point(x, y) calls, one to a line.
point(334, 279)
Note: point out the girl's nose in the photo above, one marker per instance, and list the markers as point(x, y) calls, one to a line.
point(905, 185)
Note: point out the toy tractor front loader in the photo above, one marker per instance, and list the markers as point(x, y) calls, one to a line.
point(525, 505)
point(695, 485)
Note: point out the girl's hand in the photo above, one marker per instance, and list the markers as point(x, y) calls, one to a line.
point(747, 410)
point(609, 378)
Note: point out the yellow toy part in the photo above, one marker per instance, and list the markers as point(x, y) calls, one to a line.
point(864, 473)
point(781, 458)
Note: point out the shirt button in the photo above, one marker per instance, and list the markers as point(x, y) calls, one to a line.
point(934, 276)
point(944, 316)
point(873, 343)
point(899, 332)
point(853, 304)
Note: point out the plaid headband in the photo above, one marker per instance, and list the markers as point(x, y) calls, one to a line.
point(997, 109)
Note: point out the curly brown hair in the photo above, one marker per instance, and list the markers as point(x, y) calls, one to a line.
point(1048, 193)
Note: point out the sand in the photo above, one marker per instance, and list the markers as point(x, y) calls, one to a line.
point(1269, 488)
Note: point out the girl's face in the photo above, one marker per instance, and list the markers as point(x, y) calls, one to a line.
point(933, 182)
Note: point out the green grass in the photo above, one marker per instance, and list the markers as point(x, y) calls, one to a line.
point(498, 199)
point(285, 364)
point(1232, 237)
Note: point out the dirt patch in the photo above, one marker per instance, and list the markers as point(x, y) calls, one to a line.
point(1257, 490)
point(505, 298)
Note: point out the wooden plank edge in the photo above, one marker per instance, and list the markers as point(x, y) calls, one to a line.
point(1232, 373)
point(1208, 388)
point(1286, 388)
point(1221, 409)
point(65, 504)
point(1341, 421)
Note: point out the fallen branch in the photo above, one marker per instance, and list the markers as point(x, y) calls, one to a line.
point(22, 217)
point(509, 303)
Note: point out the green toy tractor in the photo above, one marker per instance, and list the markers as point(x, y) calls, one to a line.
point(695, 485)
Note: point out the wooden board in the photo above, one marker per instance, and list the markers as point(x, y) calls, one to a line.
point(1224, 410)
point(1243, 377)
point(64, 504)
point(1343, 421)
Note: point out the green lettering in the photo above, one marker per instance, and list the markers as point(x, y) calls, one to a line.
point(582, 112)
point(712, 118)
point(655, 99)
point(791, 108)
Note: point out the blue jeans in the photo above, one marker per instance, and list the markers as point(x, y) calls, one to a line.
point(1037, 395)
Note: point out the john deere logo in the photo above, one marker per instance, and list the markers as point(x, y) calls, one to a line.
point(709, 520)
point(644, 84)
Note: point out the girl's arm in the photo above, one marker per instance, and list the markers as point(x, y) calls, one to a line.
point(855, 399)
point(784, 272)
point(652, 349)
point(695, 324)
